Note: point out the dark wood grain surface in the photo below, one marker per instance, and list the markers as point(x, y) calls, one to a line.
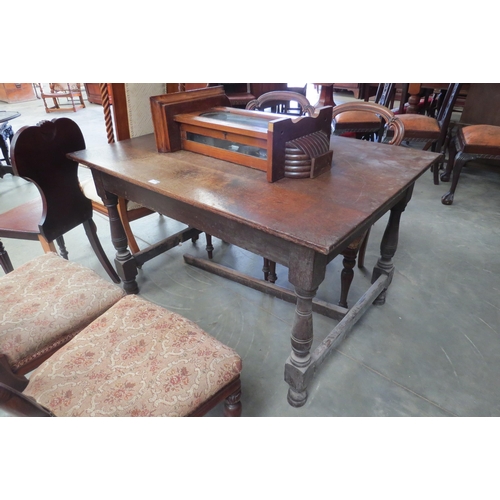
point(317, 213)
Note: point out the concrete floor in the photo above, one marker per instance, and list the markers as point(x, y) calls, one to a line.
point(432, 350)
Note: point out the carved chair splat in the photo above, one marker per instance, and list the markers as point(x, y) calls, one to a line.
point(39, 156)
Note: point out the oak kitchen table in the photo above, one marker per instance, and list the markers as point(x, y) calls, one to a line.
point(300, 223)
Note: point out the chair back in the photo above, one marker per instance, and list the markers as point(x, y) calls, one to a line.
point(385, 94)
point(392, 122)
point(39, 155)
point(482, 104)
point(446, 109)
point(278, 97)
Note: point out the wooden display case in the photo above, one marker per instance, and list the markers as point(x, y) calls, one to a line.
point(202, 121)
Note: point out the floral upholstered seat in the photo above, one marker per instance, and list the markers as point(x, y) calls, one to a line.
point(44, 304)
point(138, 359)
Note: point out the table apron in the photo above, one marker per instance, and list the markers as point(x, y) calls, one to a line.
point(228, 230)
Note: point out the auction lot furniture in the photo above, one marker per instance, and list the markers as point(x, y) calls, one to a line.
point(115, 356)
point(44, 304)
point(39, 156)
point(65, 97)
point(302, 224)
point(6, 135)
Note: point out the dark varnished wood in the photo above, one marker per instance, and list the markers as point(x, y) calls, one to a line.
point(5, 260)
point(39, 156)
point(301, 224)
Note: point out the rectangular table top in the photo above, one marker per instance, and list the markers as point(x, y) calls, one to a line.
point(320, 213)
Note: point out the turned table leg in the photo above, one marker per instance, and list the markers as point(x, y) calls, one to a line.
point(388, 246)
point(302, 337)
point(125, 264)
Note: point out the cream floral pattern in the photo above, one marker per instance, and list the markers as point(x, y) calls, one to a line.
point(137, 359)
point(47, 301)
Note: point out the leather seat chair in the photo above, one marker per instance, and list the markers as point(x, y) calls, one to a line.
point(475, 142)
point(431, 131)
point(364, 124)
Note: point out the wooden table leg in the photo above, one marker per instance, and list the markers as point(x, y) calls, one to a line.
point(389, 244)
point(300, 358)
point(306, 272)
point(414, 97)
point(325, 95)
point(125, 264)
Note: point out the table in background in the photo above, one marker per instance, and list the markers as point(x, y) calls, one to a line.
point(301, 224)
point(6, 134)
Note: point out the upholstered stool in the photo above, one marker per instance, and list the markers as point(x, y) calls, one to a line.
point(138, 359)
point(44, 304)
point(474, 142)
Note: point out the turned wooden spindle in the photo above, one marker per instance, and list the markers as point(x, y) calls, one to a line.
point(108, 120)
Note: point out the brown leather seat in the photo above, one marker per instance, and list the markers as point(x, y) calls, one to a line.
point(364, 124)
point(481, 139)
point(357, 121)
point(430, 130)
point(420, 126)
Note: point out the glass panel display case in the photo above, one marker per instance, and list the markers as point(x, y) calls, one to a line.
point(201, 121)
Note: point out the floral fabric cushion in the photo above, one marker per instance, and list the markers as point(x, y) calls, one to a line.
point(137, 359)
point(46, 302)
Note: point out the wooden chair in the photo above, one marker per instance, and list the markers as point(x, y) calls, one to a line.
point(44, 303)
point(279, 100)
point(137, 359)
point(478, 104)
point(365, 125)
point(127, 210)
point(431, 131)
point(475, 142)
point(39, 155)
point(58, 92)
point(388, 122)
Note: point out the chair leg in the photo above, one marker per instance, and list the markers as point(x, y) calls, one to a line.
point(459, 162)
point(446, 175)
point(62, 247)
point(232, 404)
point(269, 270)
point(5, 260)
point(46, 245)
point(273, 277)
point(209, 248)
point(122, 210)
point(91, 231)
point(362, 250)
point(347, 274)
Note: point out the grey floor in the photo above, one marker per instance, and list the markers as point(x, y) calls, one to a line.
point(432, 350)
